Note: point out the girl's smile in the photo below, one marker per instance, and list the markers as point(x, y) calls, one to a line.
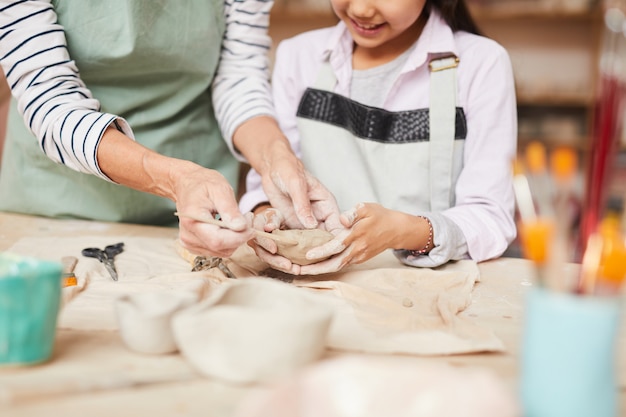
point(366, 29)
point(381, 29)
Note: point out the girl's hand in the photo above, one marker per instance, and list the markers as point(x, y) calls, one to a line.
point(369, 230)
point(266, 218)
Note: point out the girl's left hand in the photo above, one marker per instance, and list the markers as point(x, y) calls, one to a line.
point(268, 219)
point(370, 229)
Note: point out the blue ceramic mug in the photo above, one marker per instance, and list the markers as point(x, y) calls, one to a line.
point(30, 293)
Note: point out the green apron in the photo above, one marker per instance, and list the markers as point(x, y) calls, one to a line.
point(150, 62)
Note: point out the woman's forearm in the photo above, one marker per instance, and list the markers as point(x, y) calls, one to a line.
point(131, 164)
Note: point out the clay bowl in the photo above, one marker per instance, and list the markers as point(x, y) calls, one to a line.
point(302, 241)
point(253, 330)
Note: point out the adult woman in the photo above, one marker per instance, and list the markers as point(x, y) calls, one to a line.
point(90, 76)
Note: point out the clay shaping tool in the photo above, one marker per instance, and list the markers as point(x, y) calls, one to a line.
point(536, 233)
point(259, 233)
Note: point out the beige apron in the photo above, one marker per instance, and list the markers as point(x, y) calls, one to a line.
point(406, 161)
point(150, 62)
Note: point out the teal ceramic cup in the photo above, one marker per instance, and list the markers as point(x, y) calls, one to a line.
point(30, 293)
point(569, 355)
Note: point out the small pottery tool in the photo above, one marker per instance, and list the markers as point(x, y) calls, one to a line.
point(259, 233)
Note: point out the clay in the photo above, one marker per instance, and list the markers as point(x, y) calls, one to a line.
point(306, 239)
point(253, 330)
point(144, 319)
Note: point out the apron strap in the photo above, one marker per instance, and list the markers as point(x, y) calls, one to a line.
point(326, 79)
point(442, 121)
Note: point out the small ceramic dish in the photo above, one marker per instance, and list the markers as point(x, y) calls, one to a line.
point(144, 319)
point(253, 330)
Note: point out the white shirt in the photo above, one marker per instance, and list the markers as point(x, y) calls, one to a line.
point(31, 42)
point(485, 201)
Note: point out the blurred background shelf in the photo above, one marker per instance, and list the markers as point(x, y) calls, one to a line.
point(533, 9)
point(554, 48)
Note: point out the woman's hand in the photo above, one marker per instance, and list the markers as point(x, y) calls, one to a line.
point(205, 193)
point(303, 201)
point(197, 191)
point(369, 230)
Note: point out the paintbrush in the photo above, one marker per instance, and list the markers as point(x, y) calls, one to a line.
point(220, 223)
point(523, 195)
point(565, 203)
point(69, 263)
point(590, 265)
point(564, 166)
point(535, 233)
point(611, 271)
point(538, 179)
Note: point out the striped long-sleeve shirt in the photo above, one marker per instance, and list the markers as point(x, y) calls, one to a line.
point(62, 113)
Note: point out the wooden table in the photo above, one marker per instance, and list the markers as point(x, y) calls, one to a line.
point(498, 302)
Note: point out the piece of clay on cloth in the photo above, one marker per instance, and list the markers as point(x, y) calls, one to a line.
point(383, 306)
point(306, 239)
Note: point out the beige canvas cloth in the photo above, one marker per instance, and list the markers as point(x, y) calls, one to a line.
point(380, 306)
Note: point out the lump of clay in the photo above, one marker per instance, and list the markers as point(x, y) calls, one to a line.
point(304, 240)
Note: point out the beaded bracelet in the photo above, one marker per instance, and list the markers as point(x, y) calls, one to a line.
point(426, 247)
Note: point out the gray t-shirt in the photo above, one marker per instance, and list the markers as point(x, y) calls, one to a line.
point(371, 86)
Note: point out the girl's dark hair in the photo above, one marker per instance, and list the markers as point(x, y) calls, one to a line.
point(456, 14)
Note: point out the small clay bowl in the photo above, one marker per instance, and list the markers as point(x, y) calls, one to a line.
point(144, 319)
point(306, 239)
point(253, 330)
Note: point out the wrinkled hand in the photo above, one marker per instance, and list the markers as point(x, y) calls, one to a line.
point(304, 202)
point(203, 192)
point(369, 230)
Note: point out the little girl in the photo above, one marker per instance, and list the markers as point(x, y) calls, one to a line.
point(408, 116)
